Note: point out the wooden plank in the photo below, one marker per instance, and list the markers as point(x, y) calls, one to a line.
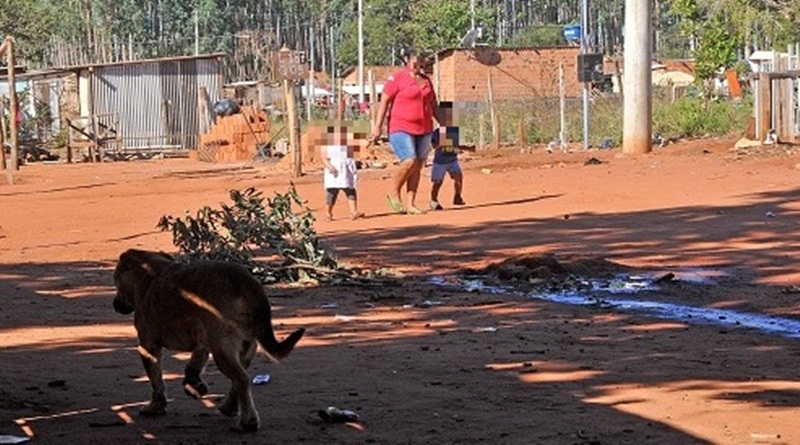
point(493, 112)
point(294, 128)
point(373, 97)
point(3, 165)
point(13, 124)
point(204, 111)
point(765, 104)
point(782, 105)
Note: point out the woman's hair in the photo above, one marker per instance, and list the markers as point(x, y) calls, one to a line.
point(408, 52)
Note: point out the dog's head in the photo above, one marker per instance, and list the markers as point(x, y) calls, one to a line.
point(135, 270)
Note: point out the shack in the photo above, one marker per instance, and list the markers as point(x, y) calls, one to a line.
point(154, 105)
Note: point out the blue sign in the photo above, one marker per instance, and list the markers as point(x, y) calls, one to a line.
point(572, 32)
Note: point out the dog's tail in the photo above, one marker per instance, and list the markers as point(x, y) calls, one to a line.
point(266, 337)
point(278, 350)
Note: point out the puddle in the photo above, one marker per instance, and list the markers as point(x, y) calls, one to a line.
point(605, 293)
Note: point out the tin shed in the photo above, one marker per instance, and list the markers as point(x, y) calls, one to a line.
point(144, 105)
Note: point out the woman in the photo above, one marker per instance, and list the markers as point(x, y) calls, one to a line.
point(409, 101)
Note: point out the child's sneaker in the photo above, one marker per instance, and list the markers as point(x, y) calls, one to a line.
point(436, 206)
point(458, 201)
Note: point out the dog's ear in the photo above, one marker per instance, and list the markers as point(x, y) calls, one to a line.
point(143, 260)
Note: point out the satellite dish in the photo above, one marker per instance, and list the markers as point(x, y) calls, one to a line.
point(468, 40)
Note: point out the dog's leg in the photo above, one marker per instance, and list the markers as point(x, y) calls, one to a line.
point(151, 359)
point(193, 384)
point(240, 395)
point(249, 349)
point(230, 406)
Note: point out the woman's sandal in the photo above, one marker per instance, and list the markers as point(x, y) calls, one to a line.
point(397, 207)
point(416, 211)
point(357, 215)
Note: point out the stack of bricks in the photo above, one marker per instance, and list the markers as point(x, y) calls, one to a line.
point(234, 138)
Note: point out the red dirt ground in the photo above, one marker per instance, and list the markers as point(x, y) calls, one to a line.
point(417, 374)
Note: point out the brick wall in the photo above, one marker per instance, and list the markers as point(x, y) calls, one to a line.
point(517, 73)
point(610, 64)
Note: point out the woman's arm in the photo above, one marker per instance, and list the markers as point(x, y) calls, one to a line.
point(438, 111)
point(377, 126)
point(440, 115)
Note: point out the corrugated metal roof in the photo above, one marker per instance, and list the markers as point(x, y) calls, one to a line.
point(66, 69)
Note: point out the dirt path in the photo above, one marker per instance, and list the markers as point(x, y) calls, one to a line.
point(423, 363)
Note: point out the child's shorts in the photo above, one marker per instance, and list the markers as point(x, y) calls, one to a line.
point(438, 170)
point(332, 193)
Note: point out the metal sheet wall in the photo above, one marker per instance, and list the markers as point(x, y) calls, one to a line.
point(154, 103)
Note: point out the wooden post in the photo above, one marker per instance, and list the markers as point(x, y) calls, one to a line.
point(294, 139)
point(95, 147)
point(203, 111)
point(2, 135)
point(98, 143)
point(373, 96)
point(311, 98)
point(765, 105)
point(562, 107)
point(784, 102)
point(523, 143)
point(493, 113)
point(13, 125)
point(618, 75)
point(340, 105)
point(481, 125)
point(69, 142)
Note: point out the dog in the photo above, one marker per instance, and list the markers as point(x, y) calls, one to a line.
point(203, 307)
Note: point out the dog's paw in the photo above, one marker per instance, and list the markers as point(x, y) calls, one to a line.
point(249, 427)
point(151, 410)
point(229, 408)
point(195, 390)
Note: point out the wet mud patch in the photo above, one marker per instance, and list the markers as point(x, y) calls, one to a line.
point(549, 272)
point(608, 286)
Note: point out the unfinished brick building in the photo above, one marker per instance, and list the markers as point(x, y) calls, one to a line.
point(463, 74)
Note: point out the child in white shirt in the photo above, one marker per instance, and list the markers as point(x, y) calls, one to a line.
point(340, 170)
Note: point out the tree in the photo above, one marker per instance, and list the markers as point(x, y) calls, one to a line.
point(382, 41)
point(31, 23)
point(440, 24)
point(539, 35)
point(726, 30)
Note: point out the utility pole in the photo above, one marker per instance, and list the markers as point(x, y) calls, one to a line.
point(638, 101)
point(472, 13)
point(360, 52)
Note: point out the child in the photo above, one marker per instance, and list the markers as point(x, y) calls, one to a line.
point(445, 161)
point(340, 170)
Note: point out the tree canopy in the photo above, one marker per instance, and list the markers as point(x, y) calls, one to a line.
point(63, 32)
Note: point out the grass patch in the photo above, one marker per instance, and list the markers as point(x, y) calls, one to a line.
point(539, 122)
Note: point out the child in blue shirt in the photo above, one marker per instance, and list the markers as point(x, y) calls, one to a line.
point(445, 162)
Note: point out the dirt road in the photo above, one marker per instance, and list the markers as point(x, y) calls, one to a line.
point(422, 363)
